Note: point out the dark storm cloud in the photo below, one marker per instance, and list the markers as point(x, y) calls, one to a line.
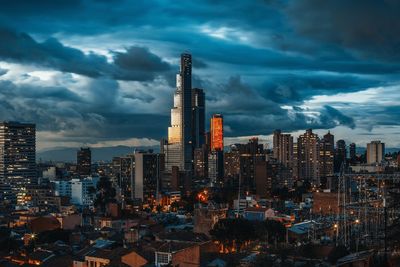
point(368, 27)
point(140, 59)
point(335, 115)
point(294, 89)
point(258, 61)
point(247, 111)
point(136, 63)
point(59, 109)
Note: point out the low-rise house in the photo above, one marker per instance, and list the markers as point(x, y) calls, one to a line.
point(258, 214)
point(180, 254)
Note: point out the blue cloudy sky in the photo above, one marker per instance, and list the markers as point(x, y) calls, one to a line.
point(102, 72)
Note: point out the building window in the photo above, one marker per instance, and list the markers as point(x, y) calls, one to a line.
point(162, 258)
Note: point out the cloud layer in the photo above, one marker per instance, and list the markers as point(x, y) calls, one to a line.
point(98, 72)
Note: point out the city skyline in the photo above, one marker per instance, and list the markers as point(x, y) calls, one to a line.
point(199, 133)
point(107, 80)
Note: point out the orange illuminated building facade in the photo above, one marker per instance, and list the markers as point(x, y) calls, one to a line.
point(217, 132)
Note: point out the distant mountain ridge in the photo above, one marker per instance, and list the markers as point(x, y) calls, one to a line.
point(98, 153)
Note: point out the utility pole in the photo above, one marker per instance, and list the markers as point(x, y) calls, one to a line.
point(238, 209)
point(385, 223)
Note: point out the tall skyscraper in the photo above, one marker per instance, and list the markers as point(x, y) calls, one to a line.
point(179, 147)
point(283, 148)
point(198, 115)
point(375, 152)
point(217, 132)
point(18, 157)
point(352, 152)
point(308, 157)
point(84, 161)
point(123, 169)
point(215, 167)
point(201, 162)
point(340, 154)
point(148, 169)
point(326, 155)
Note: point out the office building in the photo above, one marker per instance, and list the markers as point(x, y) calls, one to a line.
point(247, 172)
point(179, 146)
point(84, 161)
point(217, 132)
point(215, 167)
point(148, 170)
point(326, 155)
point(352, 152)
point(308, 157)
point(18, 157)
point(198, 118)
point(83, 191)
point(283, 148)
point(375, 152)
point(340, 154)
point(7, 195)
point(201, 162)
point(123, 169)
point(231, 166)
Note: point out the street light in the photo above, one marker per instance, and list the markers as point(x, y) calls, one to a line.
point(336, 226)
point(357, 222)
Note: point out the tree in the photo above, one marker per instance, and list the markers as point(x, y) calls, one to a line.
point(174, 206)
point(337, 253)
point(233, 233)
point(275, 231)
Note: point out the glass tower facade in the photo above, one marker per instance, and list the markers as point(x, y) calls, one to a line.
point(18, 157)
point(179, 148)
point(217, 133)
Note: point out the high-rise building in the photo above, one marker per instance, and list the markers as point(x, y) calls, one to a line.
point(247, 172)
point(201, 162)
point(253, 147)
point(283, 148)
point(84, 161)
point(123, 169)
point(217, 132)
point(18, 157)
point(198, 115)
point(215, 167)
point(263, 179)
point(231, 165)
point(375, 152)
point(308, 157)
point(340, 154)
point(148, 170)
point(326, 155)
point(179, 147)
point(352, 152)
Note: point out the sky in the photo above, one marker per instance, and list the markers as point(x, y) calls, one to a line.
point(102, 72)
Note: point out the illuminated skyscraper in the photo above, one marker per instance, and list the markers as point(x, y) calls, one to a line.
point(308, 157)
point(326, 155)
point(123, 169)
point(148, 169)
point(283, 148)
point(18, 156)
point(217, 133)
point(179, 147)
